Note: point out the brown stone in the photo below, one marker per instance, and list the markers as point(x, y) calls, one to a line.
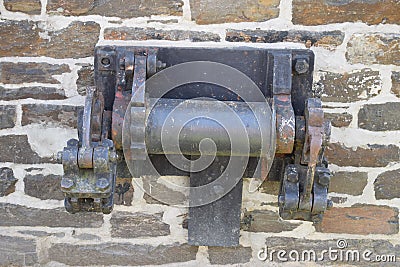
point(30, 72)
point(133, 225)
point(123, 191)
point(229, 255)
point(16, 149)
point(127, 33)
point(327, 39)
point(31, 7)
point(387, 185)
point(50, 115)
point(43, 186)
point(351, 183)
point(265, 221)
point(316, 12)
point(18, 251)
point(339, 119)
point(270, 187)
point(34, 92)
point(380, 117)
point(71, 7)
point(16, 215)
point(370, 156)
point(7, 117)
point(7, 181)
point(106, 254)
point(374, 49)
point(85, 78)
point(338, 200)
point(361, 220)
point(348, 87)
point(116, 8)
point(75, 41)
point(396, 83)
point(223, 11)
point(305, 247)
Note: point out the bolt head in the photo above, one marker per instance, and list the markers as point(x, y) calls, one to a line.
point(301, 66)
point(102, 183)
point(324, 179)
point(293, 176)
point(67, 184)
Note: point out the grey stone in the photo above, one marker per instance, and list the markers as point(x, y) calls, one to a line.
point(7, 181)
point(16, 215)
point(123, 223)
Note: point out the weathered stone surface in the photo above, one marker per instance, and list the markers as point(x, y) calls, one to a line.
point(43, 186)
point(17, 251)
point(361, 219)
point(127, 33)
point(16, 215)
point(117, 8)
point(7, 117)
point(209, 12)
point(41, 233)
point(348, 87)
point(370, 156)
point(161, 191)
point(35, 92)
point(15, 73)
point(305, 247)
point(132, 225)
point(75, 41)
point(270, 187)
point(50, 115)
point(31, 7)
point(15, 148)
point(121, 254)
point(396, 83)
point(71, 7)
point(227, 255)
point(387, 185)
point(7, 181)
point(339, 119)
point(318, 12)
point(351, 183)
point(338, 200)
point(380, 117)
point(374, 49)
point(123, 191)
point(265, 221)
point(327, 39)
point(85, 78)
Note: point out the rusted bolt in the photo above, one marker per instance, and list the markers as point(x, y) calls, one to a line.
point(102, 183)
point(301, 66)
point(324, 178)
point(67, 184)
point(59, 157)
point(293, 176)
point(105, 61)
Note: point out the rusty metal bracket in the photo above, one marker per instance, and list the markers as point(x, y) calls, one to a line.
point(119, 104)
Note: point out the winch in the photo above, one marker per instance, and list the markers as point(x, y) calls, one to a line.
point(215, 115)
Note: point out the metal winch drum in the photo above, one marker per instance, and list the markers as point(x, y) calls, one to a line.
point(216, 115)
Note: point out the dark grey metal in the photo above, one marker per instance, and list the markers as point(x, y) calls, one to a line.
point(218, 223)
point(196, 130)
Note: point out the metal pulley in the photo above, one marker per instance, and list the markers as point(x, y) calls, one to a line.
point(215, 115)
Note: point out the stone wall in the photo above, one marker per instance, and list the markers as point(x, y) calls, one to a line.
point(46, 60)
